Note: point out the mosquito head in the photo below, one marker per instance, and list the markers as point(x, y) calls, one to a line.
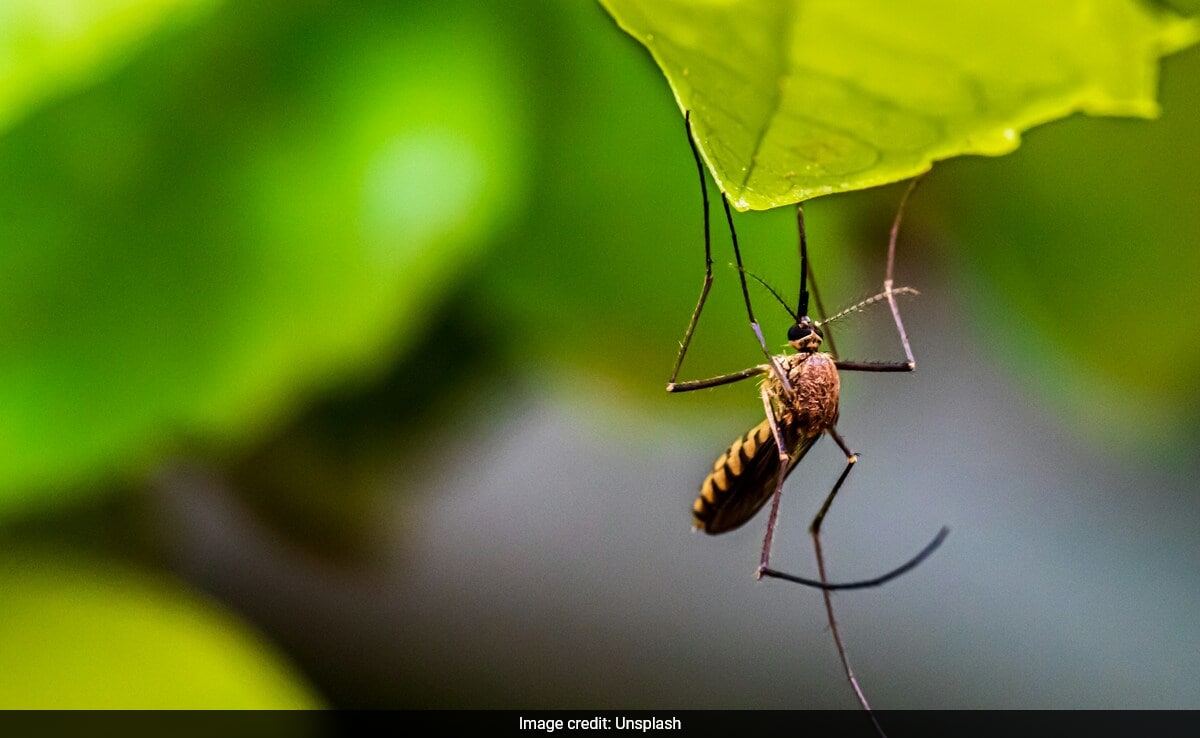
point(805, 336)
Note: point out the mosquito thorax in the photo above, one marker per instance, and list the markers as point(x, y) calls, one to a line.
point(805, 336)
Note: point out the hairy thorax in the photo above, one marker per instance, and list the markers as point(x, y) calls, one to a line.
point(813, 403)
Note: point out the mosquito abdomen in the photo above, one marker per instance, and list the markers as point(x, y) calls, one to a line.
point(731, 494)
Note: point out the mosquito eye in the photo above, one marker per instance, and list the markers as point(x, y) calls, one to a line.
point(797, 332)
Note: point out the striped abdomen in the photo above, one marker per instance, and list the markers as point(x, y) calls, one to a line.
point(744, 477)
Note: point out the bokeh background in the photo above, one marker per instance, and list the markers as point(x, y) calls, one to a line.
point(332, 351)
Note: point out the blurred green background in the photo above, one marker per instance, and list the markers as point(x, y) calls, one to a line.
point(332, 353)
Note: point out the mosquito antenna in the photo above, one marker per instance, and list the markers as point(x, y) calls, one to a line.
point(775, 294)
point(866, 304)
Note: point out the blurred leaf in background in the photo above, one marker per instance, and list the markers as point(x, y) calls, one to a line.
point(241, 209)
point(244, 214)
point(48, 48)
point(82, 635)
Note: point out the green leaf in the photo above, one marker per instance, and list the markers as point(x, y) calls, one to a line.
point(793, 99)
point(89, 636)
point(48, 48)
point(1082, 267)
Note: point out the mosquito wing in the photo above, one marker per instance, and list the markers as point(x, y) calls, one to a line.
point(744, 477)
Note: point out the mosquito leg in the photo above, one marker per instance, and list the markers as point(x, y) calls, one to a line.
point(864, 583)
point(887, 277)
point(823, 583)
point(837, 638)
point(673, 385)
point(708, 273)
point(737, 253)
point(815, 529)
point(784, 464)
point(764, 569)
point(876, 366)
point(851, 460)
point(696, 384)
point(889, 293)
point(812, 280)
point(807, 277)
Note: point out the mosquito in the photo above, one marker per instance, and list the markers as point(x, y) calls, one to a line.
point(799, 393)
